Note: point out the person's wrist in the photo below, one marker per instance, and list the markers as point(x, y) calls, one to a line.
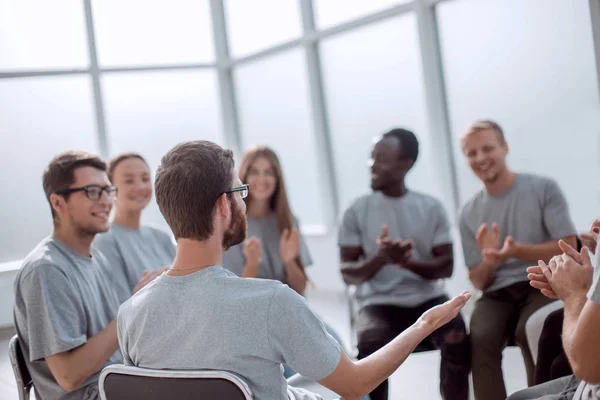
point(383, 257)
point(424, 326)
point(289, 261)
point(252, 266)
point(576, 296)
point(515, 251)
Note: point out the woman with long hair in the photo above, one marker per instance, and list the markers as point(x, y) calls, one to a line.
point(133, 249)
point(275, 249)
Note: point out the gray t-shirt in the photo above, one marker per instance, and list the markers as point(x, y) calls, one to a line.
point(212, 319)
point(532, 211)
point(62, 298)
point(413, 216)
point(271, 265)
point(131, 251)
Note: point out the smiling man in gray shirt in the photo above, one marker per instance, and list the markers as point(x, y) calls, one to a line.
point(65, 308)
point(516, 220)
point(399, 280)
point(198, 315)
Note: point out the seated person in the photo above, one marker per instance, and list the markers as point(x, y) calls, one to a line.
point(395, 288)
point(130, 247)
point(199, 315)
point(501, 237)
point(65, 308)
point(275, 248)
point(570, 277)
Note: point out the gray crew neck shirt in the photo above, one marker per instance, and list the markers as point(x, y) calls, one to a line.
point(533, 211)
point(131, 251)
point(414, 216)
point(213, 319)
point(271, 265)
point(62, 298)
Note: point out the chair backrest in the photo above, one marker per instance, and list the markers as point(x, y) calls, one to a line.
point(120, 382)
point(22, 376)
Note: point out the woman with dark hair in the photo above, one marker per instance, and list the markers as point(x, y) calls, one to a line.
point(133, 249)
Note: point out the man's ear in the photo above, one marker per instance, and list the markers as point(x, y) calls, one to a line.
point(223, 205)
point(57, 203)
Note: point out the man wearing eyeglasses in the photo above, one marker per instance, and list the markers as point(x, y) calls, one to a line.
point(65, 306)
point(201, 316)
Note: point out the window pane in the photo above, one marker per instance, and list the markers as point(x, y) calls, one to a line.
point(371, 90)
point(150, 112)
point(138, 32)
point(40, 118)
point(329, 12)
point(258, 24)
point(42, 34)
point(534, 73)
point(273, 95)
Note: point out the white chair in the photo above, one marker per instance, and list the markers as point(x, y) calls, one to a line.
point(120, 382)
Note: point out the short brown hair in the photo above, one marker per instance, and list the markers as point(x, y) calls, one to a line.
point(189, 181)
point(112, 164)
point(60, 173)
point(485, 124)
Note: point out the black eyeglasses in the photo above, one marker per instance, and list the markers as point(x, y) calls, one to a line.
point(243, 189)
point(93, 192)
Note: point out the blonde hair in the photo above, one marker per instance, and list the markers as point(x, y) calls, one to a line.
point(483, 125)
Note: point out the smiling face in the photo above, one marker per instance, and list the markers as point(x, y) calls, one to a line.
point(85, 216)
point(132, 177)
point(262, 179)
point(387, 166)
point(486, 152)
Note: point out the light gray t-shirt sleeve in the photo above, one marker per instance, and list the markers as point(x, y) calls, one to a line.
point(471, 250)
point(298, 338)
point(56, 319)
point(349, 233)
point(441, 234)
point(556, 212)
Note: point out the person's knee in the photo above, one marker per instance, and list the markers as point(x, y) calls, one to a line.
point(455, 337)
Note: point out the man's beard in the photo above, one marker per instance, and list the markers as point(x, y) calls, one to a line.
point(236, 233)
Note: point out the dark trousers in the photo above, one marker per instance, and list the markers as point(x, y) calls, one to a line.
point(500, 316)
point(380, 324)
point(552, 362)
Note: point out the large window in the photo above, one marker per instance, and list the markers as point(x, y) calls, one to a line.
point(39, 118)
point(150, 112)
point(32, 38)
point(142, 32)
point(275, 111)
point(535, 74)
point(315, 80)
point(259, 24)
point(370, 90)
